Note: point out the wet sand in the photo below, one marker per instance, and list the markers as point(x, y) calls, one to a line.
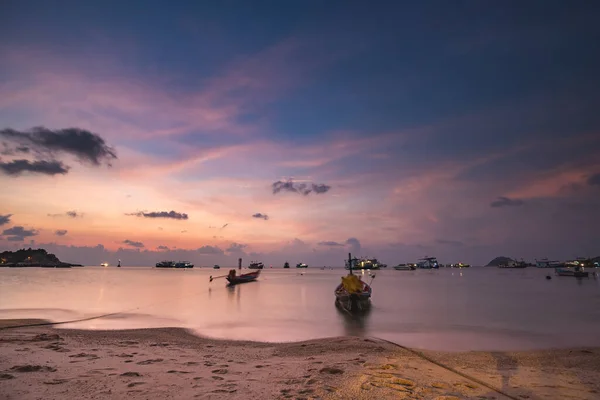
point(171, 363)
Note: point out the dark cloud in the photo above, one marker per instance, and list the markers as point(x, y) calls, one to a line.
point(5, 219)
point(16, 167)
point(60, 232)
point(260, 216)
point(354, 244)
point(18, 233)
point(236, 248)
point(506, 202)
point(71, 214)
point(85, 145)
point(300, 188)
point(133, 243)
point(330, 243)
point(163, 248)
point(594, 180)
point(210, 250)
point(161, 214)
point(449, 242)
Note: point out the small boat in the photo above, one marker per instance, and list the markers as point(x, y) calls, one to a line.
point(461, 265)
point(362, 263)
point(577, 272)
point(428, 263)
point(216, 267)
point(404, 267)
point(286, 265)
point(256, 265)
point(234, 279)
point(184, 264)
point(353, 295)
point(104, 264)
point(301, 265)
point(165, 264)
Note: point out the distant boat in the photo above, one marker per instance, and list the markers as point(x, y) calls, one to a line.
point(104, 264)
point(513, 264)
point(404, 267)
point(286, 265)
point(216, 267)
point(461, 265)
point(362, 263)
point(301, 265)
point(545, 263)
point(577, 272)
point(184, 264)
point(165, 264)
point(428, 263)
point(256, 265)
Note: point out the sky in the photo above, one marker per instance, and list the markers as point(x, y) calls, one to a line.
point(300, 131)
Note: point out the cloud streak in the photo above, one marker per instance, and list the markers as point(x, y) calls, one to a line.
point(161, 214)
point(260, 216)
point(300, 188)
point(506, 202)
point(133, 243)
point(17, 167)
point(61, 232)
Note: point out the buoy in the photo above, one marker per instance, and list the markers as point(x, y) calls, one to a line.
point(548, 277)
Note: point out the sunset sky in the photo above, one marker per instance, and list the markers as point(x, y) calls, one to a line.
point(300, 130)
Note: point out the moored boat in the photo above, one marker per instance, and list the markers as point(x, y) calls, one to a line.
point(286, 265)
point(301, 265)
point(461, 265)
point(404, 267)
point(362, 263)
point(165, 264)
point(256, 265)
point(184, 264)
point(577, 272)
point(353, 295)
point(234, 279)
point(216, 267)
point(428, 263)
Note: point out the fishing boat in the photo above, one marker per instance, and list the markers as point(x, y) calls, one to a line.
point(184, 264)
point(165, 264)
point(362, 263)
point(216, 267)
point(428, 263)
point(461, 265)
point(286, 265)
point(234, 279)
point(404, 267)
point(353, 295)
point(577, 272)
point(301, 265)
point(104, 264)
point(256, 265)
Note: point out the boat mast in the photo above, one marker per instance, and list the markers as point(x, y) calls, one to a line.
point(350, 263)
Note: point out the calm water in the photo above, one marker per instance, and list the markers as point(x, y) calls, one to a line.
point(448, 309)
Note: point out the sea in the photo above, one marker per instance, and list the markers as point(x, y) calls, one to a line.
point(477, 308)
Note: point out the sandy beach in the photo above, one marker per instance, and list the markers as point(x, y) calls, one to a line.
point(171, 363)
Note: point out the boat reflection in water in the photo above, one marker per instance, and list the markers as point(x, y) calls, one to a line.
point(355, 324)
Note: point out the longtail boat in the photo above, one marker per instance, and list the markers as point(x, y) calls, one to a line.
point(353, 295)
point(234, 279)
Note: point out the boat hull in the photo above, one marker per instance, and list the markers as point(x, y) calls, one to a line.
point(576, 274)
point(245, 278)
point(353, 302)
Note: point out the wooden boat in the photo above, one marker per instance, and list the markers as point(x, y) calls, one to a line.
point(301, 265)
point(286, 265)
point(256, 265)
point(404, 267)
point(353, 295)
point(234, 279)
point(577, 272)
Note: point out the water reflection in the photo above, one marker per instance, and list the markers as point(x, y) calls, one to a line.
point(355, 324)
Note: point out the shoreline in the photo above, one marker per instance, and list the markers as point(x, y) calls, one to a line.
point(45, 362)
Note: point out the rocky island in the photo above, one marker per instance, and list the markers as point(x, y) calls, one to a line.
point(32, 258)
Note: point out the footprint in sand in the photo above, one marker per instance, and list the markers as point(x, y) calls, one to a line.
point(32, 368)
point(218, 378)
point(124, 355)
point(221, 371)
point(209, 363)
point(132, 384)
point(4, 377)
point(173, 371)
point(131, 374)
point(56, 381)
point(387, 380)
point(84, 355)
point(147, 362)
point(57, 348)
point(331, 370)
point(191, 363)
point(46, 337)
